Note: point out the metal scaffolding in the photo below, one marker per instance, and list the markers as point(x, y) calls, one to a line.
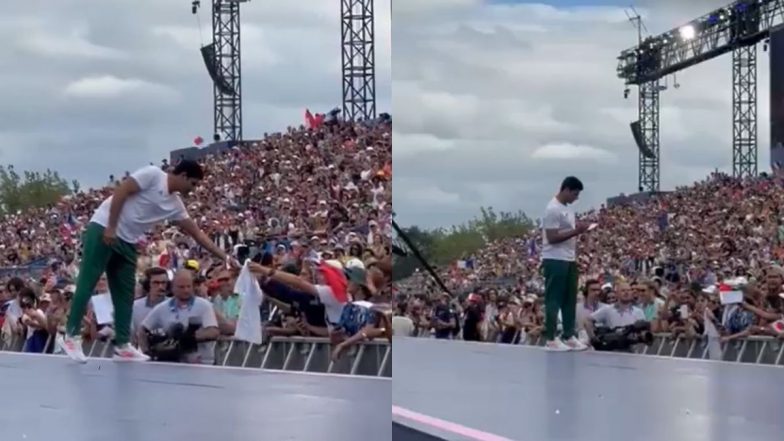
point(648, 110)
point(744, 111)
point(226, 38)
point(358, 59)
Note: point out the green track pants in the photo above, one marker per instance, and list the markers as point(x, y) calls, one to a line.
point(118, 261)
point(560, 294)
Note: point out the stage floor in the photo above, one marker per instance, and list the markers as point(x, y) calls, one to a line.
point(472, 391)
point(52, 398)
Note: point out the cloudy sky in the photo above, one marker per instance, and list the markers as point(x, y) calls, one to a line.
point(91, 87)
point(496, 102)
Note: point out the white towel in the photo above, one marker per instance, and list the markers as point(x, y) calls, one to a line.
point(249, 322)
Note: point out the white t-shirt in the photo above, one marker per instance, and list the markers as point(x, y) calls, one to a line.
point(558, 216)
point(145, 209)
point(612, 317)
point(402, 326)
point(166, 313)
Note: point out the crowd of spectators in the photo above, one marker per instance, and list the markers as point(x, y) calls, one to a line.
point(663, 259)
point(290, 201)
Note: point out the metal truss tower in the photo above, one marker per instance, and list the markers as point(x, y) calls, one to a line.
point(744, 111)
point(226, 38)
point(358, 59)
point(648, 110)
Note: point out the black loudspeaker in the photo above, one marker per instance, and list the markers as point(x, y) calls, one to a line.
point(637, 133)
point(211, 62)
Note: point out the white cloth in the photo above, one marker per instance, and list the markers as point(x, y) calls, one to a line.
point(714, 338)
point(249, 322)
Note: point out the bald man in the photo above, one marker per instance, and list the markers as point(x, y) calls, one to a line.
point(184, 308)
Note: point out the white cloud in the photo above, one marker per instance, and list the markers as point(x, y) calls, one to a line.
point(45, 41)
point(572, 152)
point(108, 86)
point(491, 102)
point(121, 83)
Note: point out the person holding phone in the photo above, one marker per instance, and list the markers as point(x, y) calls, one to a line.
point(559, 265)
point(34, 320)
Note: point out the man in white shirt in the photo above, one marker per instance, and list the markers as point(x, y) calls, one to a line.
point(623, 313)
point(146, 198)
point(559, 264)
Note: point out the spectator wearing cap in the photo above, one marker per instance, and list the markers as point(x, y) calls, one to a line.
point(227, 303)
point(360, 319)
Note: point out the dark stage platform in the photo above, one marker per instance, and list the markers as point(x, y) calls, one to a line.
point(51, 398)
point(472, 391)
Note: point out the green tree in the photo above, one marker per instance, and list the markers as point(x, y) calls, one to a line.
point(442, 246)
point(30, 189)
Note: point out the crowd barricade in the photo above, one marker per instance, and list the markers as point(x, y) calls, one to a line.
point(295, 354)
point(752, 349)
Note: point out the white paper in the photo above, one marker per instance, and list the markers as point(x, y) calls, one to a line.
point(249, 322)
point(714, 342)
point(730, 297)
point(103, 308)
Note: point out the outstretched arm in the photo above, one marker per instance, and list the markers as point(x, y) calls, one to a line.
point(189, 227)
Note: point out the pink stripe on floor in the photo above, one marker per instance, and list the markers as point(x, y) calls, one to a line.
point(446, 426)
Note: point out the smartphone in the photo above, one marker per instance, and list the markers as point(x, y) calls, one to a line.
point(684, 311)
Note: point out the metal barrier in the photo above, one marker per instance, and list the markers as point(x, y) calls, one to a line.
point(296, 354)
point(753, 349)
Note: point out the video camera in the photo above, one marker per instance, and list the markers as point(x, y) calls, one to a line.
point(172, 344)
point(622, 338)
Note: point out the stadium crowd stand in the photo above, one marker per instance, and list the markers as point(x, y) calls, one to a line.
point(290, 197)
point(669, 256)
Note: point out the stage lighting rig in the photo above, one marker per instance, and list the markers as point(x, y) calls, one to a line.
point(737, 28)
point(742, 23)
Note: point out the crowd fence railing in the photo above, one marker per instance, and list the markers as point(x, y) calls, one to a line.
point(763, 350)
point(294, 354)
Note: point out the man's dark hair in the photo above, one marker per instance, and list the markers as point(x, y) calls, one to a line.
point(190, 169)
point(588, 284)
point(571, 183)
point(15, 284)
point(155, 271)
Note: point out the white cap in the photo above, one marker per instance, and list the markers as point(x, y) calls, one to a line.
point(355, 263)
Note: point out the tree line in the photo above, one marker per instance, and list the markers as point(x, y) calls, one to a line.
point(443, 246)
point(31, 189)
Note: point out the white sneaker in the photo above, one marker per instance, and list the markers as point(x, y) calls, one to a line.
point(575, 344)
point(556, 346)
point(127, 352)
point(72, 346)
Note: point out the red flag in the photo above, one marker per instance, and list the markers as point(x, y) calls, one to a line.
point(336, 280)
point(310, 122)
point(198, 140)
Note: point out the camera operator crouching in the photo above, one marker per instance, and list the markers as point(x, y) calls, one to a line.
point(181, 329)
point(620, 325)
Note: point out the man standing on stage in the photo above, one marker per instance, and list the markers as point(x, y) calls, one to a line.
point(559, 264)
point(144, 199)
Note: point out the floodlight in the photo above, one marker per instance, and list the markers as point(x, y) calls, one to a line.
point(687, 32)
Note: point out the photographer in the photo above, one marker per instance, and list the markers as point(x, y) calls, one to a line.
point(181, 329)
point(622, 316)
